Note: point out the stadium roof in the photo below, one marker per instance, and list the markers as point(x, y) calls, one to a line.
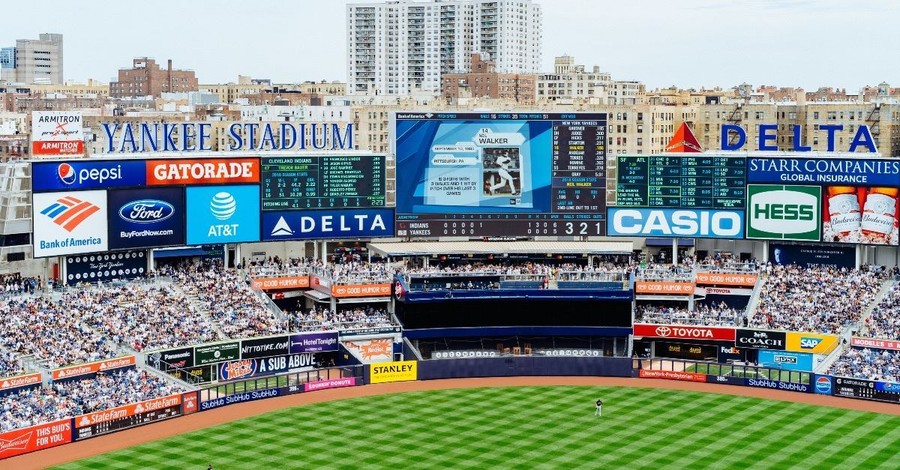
point(479, 247)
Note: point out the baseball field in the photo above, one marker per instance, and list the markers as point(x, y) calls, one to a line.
point(533, 427)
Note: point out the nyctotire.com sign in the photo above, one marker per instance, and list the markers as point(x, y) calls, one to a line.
point(760, 339)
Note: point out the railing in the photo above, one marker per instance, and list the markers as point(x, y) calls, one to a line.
point(358, 277)
point(293, 381)
point(735, 268)
point(735, 370)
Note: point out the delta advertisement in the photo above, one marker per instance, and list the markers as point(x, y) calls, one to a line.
point(327, 224)
point(786, 360)
point(147, 217)
point(55, 133)
point(105, 267)
point(69, 223)
point(222, 214)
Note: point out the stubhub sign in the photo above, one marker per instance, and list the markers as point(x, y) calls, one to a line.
point(327, 224)
point(689, 223)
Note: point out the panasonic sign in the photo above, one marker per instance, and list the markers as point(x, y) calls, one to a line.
point(780, 212)
point(691, 223)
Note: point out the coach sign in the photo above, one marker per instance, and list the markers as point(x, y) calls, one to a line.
point(760, 339)
point(684, 332)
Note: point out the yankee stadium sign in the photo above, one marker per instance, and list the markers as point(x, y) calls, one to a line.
point(242, 136)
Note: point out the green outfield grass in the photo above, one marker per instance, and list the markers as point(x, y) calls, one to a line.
point(533, 427)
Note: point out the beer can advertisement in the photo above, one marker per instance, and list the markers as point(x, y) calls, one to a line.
point(863, 215)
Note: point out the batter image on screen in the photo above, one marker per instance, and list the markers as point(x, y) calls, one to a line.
point(501, 171)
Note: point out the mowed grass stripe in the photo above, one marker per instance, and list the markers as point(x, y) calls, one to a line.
point(527, 427)
point(870, 433)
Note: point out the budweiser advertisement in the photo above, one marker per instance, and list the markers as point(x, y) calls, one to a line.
point(278, 283)
point(202, 171)
point(42, 436)
point(664, 287)
point(708, 333)
point(361, 290)
point(726, 279)
point(93, 367)
point(892, 344)
point(671, 375)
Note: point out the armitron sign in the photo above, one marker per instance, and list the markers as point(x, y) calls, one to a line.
point(684, 332)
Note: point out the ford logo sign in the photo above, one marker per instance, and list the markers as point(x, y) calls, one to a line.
point(146, 211)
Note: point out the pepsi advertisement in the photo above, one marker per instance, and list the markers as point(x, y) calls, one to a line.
point(87, 174)
point(143, 218)
point(327, 224)
point(222, 214)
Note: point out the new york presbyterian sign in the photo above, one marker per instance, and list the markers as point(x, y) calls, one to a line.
point(241, 136)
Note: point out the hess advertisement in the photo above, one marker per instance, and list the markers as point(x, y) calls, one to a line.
point(777, 212)
point(146, 217)
point(222, 214)
point(69, 223)
point(864, 215)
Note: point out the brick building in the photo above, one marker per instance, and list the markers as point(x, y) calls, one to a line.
point(484, 82)
point(145, 78)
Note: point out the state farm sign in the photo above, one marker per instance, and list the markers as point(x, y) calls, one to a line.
point(684, 332)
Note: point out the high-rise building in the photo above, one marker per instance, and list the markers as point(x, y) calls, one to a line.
point(34, 61)
point(404, 47)
point(145, 78)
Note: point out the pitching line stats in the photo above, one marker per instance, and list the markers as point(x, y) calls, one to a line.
point(501, 174)
point(322, 182)
point(688, 181)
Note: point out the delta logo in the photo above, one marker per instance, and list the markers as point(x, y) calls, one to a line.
point(809, 343)
point(69, 212)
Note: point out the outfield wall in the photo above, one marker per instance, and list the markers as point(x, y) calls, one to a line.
point(524, 365)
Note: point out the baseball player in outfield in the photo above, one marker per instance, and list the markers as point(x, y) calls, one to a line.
point(599, 411)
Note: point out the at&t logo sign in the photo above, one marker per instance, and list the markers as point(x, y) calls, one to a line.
point(222, 206)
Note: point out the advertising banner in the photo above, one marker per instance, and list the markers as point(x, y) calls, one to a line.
point(180, 358)
point(893, 345)
point(824, 171)
point(57, 133)
point(707, 333)
point(863, 215)
point(327, 224)
point(42, 436)
point(242, 397)
point(330, 383)
point(726, 354)
point(686, 351)
point(671, 375)
point(866, 389)
point(222, 214)
point(372, 350)
point(314, 342)
point(684, 223)
point(127, 416)
point(360, 290)
point(725, 291)
point(726, 279)
point(105, 267)
point(213, 353)
point(69, 223)
point(264, 347)
point(245, 368)
point(202, 171)
point(91, 368)
point(776, 212)
point(283, 282)
point(148, 217)
point(378, 330)
point(399, 371)
point(778, 385)
point(760, 339)
point(86, 174)
point(822, 384)
point(14, 384)
point(664, 287)
point(786, 360)
point(813, 255)
point(234, 370)
point(815, 343)
point(189, 402)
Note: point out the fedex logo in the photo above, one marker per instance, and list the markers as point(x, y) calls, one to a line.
point(809, 343)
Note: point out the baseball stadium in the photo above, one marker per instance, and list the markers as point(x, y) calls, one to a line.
point(497, 291)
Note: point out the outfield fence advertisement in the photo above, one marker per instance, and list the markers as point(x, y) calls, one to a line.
point(42, 436)
point(786, 360)
point(398, 371)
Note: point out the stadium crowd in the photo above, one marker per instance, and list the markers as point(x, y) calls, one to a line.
point(709, 314)
point(317, 319)
point(885, 319)
point(868, 364)
point(796, 298)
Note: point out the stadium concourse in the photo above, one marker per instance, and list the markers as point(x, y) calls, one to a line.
point(197, 303)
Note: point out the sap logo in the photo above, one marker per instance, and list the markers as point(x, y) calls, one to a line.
point(146, 211)
point(671, 222)
point(67, 174)
point(809, 343)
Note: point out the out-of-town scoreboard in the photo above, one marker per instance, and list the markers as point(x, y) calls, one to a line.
point(322, 182)
point(688, 181)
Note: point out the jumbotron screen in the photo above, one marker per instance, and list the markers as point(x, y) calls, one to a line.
point(500, 174)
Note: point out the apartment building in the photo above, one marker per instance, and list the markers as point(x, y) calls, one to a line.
point(34, 61)
point(484, 81)
point(146, 78)
point(571, 82)
point(404, 47)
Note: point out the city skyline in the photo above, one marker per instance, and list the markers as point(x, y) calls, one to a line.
point(691, 44)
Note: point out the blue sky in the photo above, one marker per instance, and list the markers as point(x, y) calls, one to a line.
point(687, 43)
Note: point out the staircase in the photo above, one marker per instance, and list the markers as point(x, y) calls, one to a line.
point(194, 300)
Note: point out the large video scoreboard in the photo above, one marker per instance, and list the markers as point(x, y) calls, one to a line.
point(322, 182)
point(501, 174)
point(688, 181)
